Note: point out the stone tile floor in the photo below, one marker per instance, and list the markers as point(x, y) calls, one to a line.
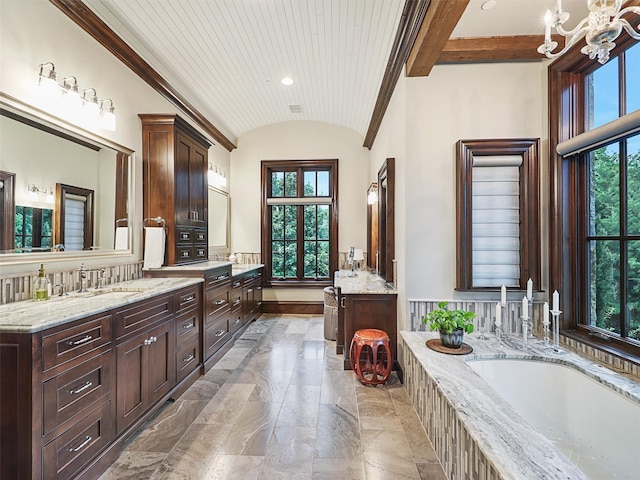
point(278, 405)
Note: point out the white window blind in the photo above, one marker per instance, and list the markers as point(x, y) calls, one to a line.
point(74, 222)
point(495, 205)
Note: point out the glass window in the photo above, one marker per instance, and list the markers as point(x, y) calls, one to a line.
point(33, 229)
point(302, 230)
point(602, 100)
point(632, 71)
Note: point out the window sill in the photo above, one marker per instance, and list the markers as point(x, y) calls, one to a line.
point(325, 282)
point(616, 347)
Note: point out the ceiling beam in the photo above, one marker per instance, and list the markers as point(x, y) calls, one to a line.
point(441, 18)
point(78, 12)
point(494, 49)
point(410, 21)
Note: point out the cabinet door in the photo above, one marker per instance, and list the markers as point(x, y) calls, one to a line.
point(162, 361)
point(182, 177)
point(132, 380)
point(198, 186)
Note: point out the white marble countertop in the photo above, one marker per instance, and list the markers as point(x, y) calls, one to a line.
point(495, 425)
point(363, 283)
point(240, 268)
point(29, 316)
point(208, 265)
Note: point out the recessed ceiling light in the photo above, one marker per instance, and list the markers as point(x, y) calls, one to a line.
point(287, 81)
point(488, 5)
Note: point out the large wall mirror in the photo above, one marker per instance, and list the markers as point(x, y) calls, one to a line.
point(219, 225)
point(50, 170)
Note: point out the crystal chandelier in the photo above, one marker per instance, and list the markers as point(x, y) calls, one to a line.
point(603, 25)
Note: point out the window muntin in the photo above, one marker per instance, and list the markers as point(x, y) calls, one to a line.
point(300, 221)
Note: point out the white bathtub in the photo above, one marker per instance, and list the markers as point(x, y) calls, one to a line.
point(594, 426)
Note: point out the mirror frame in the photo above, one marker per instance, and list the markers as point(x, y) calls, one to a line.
point(221, 249)
point(65, 128)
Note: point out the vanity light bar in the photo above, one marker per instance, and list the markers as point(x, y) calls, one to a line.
point(83, 103)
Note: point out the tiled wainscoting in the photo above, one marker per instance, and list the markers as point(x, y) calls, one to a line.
point(18, 287)
point(458, 452)
point(485, 314)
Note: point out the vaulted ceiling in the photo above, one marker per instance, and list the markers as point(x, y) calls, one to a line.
point(226, 58)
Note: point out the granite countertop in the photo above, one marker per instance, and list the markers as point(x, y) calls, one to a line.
point(496, 425)
point(28, 316)
point(208, 265)
point(364, 283)
point(240, 268)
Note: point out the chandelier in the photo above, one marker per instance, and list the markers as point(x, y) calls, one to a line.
point(603, 25)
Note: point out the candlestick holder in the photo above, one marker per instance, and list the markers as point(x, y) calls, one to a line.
point(525, 328)
point(482, 329)
point(556, 330)
point(530, 329)
point(498, 332)
point(545, 324)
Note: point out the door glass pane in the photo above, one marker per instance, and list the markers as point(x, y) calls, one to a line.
point(602, 99)
point(277, 184)
point(310, 259)
point(604, 191)
point(604, 283)
point(291, 259)
point(310, 222)
point(310, 184)
point(323, 222)
point(277, 259)
point(323, 184)
point(633, 289)
point(633, 185)
point(290, 184)
point(290, 222)
point(632, 70)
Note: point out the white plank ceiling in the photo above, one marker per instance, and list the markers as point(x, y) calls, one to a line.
point(227, 57)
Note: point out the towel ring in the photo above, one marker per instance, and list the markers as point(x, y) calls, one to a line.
point(159, 220)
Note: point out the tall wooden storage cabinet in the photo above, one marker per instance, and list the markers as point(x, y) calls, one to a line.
point(175, 164)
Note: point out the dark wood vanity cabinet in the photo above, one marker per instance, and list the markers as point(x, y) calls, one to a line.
point(69, 394)
point(175, 188)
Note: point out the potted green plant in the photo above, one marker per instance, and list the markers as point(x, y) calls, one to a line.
point(450, 323)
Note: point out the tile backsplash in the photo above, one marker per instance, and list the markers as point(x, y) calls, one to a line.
point(15, 288)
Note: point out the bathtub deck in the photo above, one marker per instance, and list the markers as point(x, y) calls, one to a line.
point(475, 433)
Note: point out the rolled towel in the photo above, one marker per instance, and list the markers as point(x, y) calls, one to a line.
point(154, 243)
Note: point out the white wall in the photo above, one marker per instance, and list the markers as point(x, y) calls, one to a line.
point(454, 102)
point(299, 140)
point(34, 32)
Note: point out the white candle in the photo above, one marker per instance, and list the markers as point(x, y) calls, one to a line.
point(503, 295)
point(529, 289)
point(498, 315)
point(556, 301)
point(545, 313)
point(547, 30)
point(525, 307)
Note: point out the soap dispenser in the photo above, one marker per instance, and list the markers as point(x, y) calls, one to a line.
point(41, 286)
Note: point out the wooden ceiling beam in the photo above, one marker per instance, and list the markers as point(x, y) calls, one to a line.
point(494, 49)
point(439, 21)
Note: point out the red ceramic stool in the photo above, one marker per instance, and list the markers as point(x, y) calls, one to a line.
point(375, 367)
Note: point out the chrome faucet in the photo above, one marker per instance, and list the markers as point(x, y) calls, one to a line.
point(83, 277)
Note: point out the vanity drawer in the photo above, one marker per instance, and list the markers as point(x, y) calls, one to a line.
point(65, 456)
point(68, 393)
point(142, 314)
point(235, 322)
point(187, 300)
point(187, 326)
point(217, 303)
point(215, 335)
point(184, 235)
point(217, 278)
point(200, 235)
point(65, 344)
point(184, 253)
point(187, 358)
point(200, 251)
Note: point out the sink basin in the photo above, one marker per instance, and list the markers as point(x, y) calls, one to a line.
point(119, 291)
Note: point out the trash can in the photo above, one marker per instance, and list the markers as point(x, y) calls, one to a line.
point(330, 314)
